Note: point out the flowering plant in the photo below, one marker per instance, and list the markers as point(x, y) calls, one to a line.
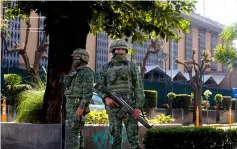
point(207, 94)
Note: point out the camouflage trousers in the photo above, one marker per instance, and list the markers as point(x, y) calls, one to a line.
point(76, 125)
point(115, 126)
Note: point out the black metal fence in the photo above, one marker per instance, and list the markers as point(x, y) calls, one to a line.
point(163, 88)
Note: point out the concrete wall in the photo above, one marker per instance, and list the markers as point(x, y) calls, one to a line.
point(195, 33)
point(208, 44)
point(33, 37)
point(219, 64)
point(166, 50)
point(48, 136)
point(207, 117)
point(90, 47)
point(181, 50)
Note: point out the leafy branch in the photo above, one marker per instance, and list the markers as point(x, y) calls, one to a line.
point(141, 20)
point(155, 47)
point(12, 13)
point(199, 69)
point(226, 53)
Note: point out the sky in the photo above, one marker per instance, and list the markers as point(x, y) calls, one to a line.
point(222, 11)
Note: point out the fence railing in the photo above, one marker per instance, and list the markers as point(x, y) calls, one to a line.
point(163, 88)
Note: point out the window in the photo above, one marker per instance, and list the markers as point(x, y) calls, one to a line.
point(224, 68)
point(202, 43)
point(189, 45)
point(43, 62)
point(14, 25)
point(173, 53)
point(101, 50)
point(154, 59)
point(214, 41)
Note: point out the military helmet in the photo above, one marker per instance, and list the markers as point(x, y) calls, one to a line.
point(82, 53)
point(118, 44)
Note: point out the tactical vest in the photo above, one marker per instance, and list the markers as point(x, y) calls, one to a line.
point(75, 87)
point(119, 80)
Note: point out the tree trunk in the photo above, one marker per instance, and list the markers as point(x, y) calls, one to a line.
point(64, 37)
point(197, 102)
point(145, 59)
point(218, 112)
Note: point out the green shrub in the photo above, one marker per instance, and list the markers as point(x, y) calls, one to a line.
point(161, 119)
point(190, 138)
point(171, 96)
point(218, 98)
point(97, 117)
point(182, 101)
point(12, 79)
point(205, 104)
point(150, 98)
point(101, 117)
point(233, 103)
point(226, 102)
point(13, 88)
point(12, 93)
point(30, 106)
point(207, 94)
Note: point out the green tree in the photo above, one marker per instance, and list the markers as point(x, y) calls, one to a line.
point(155, 47)
point(226, 53)
point(21, 48)
point(196, 82)
point(227, 56)
point(68, 24)
point(229, 33)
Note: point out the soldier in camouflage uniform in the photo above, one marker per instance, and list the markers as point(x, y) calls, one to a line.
point(123, 77)
point(79, 84)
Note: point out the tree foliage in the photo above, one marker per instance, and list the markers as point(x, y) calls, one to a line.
point(68, 24)
point(229, 32)
point(199, 69)
point(196, 81)
point(155, 47)
point(140, 20)
point(21, 48)
point(226, 53)
point(227, 56)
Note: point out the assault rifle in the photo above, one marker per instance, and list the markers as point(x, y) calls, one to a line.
point(124, 107)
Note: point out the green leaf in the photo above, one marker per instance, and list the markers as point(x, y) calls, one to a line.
point(132, 51)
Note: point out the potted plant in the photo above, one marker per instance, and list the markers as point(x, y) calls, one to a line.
point(171, 96)
point(218, 99)
point(205, 104)
point(207, 94)
point(226, 102)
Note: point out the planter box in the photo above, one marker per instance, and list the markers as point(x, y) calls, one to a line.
point(151, 113)
point(224, 116)
point(48, 136)
point(187, 118)
point(177, 114)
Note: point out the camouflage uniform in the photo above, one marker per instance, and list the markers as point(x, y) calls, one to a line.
point(79, 84)
point(122, 77)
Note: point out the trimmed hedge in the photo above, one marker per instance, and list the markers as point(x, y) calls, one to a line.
point(190, 138)
point(233, 103)
point(226, 102)
point(151, 97)
point(182, 101)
